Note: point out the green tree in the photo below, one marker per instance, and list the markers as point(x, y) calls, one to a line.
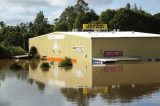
point(128, 6)
point(2, 24)
point(40, 25)
point(73, 17)
point(135, 8)
point(61, 27)
point(107, 16)
point(85, 18)
point(90, 16)
point(18, 35)
point(157, 15)
point(123, 20)
point(66, 20)
point(81, 7)
point(131, 20)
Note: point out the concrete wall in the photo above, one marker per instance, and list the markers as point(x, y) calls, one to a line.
point(143, 47)
point(65, 47)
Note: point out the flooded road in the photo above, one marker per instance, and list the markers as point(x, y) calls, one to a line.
point(123, 84)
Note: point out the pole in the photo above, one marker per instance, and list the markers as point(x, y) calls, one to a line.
point(0, 33)
point(23, 42)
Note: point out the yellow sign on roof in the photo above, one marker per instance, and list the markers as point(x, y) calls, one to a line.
point(95, 27)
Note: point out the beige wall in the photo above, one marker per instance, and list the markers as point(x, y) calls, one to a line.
point(144, 47)
point(44, 46)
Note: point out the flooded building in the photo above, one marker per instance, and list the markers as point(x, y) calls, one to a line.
point(85, 46)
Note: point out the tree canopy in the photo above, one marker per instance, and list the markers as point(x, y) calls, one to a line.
point(18, 35)
point(74, 16)
point(131, 19)
point(128, 18)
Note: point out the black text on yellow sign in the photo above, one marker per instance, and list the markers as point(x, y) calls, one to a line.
point(95, 27)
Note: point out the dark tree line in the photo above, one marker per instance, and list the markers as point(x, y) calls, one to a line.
point(129, 18)
point(74, 16)
point(18, 35)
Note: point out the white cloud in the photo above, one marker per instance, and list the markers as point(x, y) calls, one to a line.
point(58, 2)
point(25, 10)
point(14, 12)
point(17, 11)
point(99, 2)
point(99, 5)
point(35, 3)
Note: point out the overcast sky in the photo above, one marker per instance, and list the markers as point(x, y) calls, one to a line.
point(14, 12)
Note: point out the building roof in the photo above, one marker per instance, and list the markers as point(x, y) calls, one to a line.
point(126, 34)
point(110, 34)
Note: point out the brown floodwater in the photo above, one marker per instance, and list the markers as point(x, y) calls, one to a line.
point(120, 84)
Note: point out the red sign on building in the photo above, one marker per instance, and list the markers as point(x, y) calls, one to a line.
point(113, 53)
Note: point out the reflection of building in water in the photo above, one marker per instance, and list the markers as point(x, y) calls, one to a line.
point(126, 93)
point(23, 74)
point(114, 68)
point(77, 96)
point(41, 86)
point(34, 64)
point(122, 74)
point(6, 72)
point(114, 83)
point(2, 77)
point(95, 90)
point(116, 74)
point(123, 94)
point(79, 75)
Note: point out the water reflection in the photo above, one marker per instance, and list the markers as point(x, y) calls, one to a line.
point(113, 74)
point(122, 74)
point(77, 96)
point(34, 64)
point(127, 93)
point(123, 94)
point(6, 72)
point(113, 82)
point(83, 84)
point(77, 76)
point(41, 86)
point(30, 81)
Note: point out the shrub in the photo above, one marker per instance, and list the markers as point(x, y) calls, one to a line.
point(15, 66)
point(15, 50)
point(66, 62)
point(33, 53)
point(45, 66)
point(9, 51)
